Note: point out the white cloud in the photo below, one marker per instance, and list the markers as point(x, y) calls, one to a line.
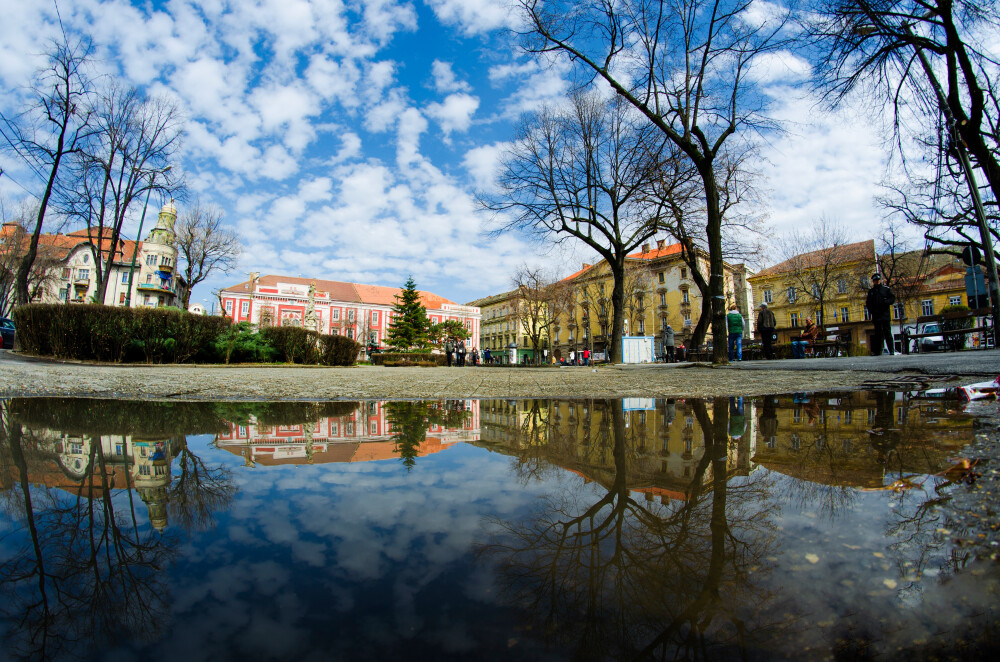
point(779, 67)
point(445, 80)
point(455, 113)
point(474, 16)
point(482, 163)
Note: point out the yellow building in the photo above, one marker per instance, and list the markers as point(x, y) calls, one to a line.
point(659, 290)
point(828, 286)
point(507, 325)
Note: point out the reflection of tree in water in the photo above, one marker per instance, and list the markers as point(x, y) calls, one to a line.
point(411, 420)
point(79, 567)
point(626, 578)
point(198, 491)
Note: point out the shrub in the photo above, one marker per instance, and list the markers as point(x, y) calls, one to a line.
point(241, 343)
point(293, 344)
point(114, 334)
point(338, 350)
point(419, 359)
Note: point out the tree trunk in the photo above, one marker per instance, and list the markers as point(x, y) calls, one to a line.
point(716, 279)
point(23, 269)
point(618, 309)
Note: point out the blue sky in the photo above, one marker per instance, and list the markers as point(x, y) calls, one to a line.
point(345, 139)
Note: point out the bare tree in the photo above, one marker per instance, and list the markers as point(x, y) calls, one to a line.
point(56, 124)
point(822, 262)
point(134, 142)
point(930, 61)
point(686, 67)
point(537, 296)
point(13, 244)
point(579, 173)
point(205, 245)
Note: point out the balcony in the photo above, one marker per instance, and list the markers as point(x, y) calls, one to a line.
point(169, 268)
point(154, 288)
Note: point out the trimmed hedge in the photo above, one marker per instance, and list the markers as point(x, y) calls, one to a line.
point(93, 332)
point(409, 359)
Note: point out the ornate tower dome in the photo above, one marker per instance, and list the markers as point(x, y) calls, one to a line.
point(163, 233)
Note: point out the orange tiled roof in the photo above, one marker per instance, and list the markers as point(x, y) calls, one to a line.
point(341, 291)
point(59, 246)
point(862, 250)
point(666, 251)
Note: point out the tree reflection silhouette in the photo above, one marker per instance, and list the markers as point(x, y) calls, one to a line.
point(621, 578)
point(80, 566)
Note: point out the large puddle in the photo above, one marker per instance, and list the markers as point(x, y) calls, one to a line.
point(792, 527)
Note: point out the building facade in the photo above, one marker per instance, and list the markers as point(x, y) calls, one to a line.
point(65, 271)
point(360, 312)
point(659, 291)
point(507, 328)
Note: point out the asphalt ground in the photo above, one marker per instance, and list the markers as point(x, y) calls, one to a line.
point(22, 376)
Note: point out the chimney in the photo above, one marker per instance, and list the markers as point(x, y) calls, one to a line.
point(645, 248)
point(660, 242)
point(586, 266)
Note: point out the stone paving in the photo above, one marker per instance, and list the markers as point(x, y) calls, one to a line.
point(26, 376)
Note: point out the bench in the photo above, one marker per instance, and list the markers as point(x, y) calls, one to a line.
point(827, 343)
point(943, 333)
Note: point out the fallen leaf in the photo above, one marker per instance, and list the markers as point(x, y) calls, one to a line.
point(890, 583)
point(812, 558)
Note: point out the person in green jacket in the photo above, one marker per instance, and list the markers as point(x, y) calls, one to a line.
point(735, 323)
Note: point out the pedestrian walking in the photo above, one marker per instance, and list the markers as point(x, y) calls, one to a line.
point(449, 351)
point(461, 353)
point(734, 321)
point(668, 344)
point(878, 302)
point(586, 356)
point(766, 325)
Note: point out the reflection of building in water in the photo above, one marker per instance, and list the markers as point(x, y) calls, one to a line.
point(364, 435)
point(73, 463)
point(857, 439)
point(664, 443)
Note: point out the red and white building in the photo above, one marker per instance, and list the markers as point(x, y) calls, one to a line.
point(361, 312)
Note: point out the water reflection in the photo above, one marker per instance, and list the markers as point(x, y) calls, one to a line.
point(783, 527)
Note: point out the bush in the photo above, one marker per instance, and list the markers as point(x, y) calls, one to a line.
point(407, 359)
point(338, 350)
point(113, 334)
point(293, 344)
point(241, 343)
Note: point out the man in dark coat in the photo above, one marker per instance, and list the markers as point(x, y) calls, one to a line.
point(879, 301)
point(766, 324)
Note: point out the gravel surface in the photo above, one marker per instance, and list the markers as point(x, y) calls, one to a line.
point(24, 376)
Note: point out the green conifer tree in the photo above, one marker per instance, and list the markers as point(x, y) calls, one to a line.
point(409, 326)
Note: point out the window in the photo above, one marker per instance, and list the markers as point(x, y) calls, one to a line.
point(663, 298)
point(229, 305)
point(816, 291)
point(791, 294)
point(166, 261)
point(350, 315)
point(148, 300)
point(67, 272)
point(660, 276)
point(793, 318)
point(244, 308)
point(86, 258)
point(897, 311)
point(63, 291)
point(868, 315)
point(663, 322)
point(151, 260)
point(768, 296)
point(149, 278)
point(335, 314)
point(374, 317)
point(83, 274)
point(818, 316)
point(845, 315)
point(842, 285)
point(955, 301)
point(125, 278)
point(927, 307)
point(121, 299)
point(687, 318)
point(684, 272)
point(685, 297)
point(642, 327)
point(865, 283)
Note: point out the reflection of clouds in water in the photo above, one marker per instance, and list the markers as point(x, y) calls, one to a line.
point(360, 523)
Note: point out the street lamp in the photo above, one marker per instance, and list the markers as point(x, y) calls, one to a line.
point(135, 250)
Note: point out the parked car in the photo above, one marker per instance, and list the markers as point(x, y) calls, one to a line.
point(7, 331)
point(930, 343)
